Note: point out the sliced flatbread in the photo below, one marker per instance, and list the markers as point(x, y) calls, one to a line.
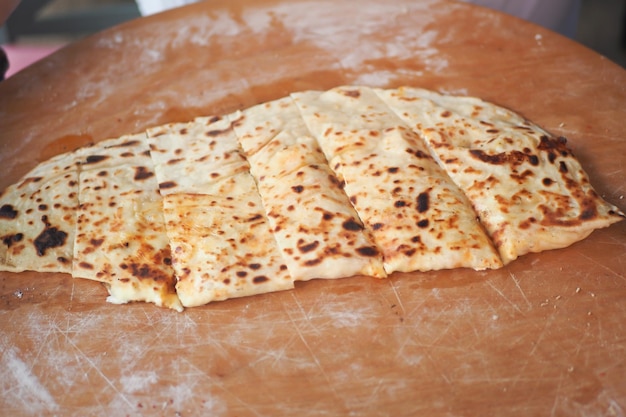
point(529, 190)
point(222, 245)
point(316, 227)
point(38, 217)
point(418, 217)
point(351, 181)
point(189, 157)
point(120, 235)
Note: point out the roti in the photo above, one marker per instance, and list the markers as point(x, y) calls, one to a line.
point(317, 229)
point(417, 215)
point(120, 230)
point(38, 218)
point(221, 242)
point(526, 186)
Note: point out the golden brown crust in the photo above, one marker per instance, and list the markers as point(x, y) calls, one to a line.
point(120, 230)
point(38, 216)
point(316, 228)
point(352, 181)
point(419, 219)
point(221, 242)
point(527, 187)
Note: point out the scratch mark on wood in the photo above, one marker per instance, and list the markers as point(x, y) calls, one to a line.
point(27, 389)
point(601, 265)
point(501, 294)
point(93, 365)
point(542, 334)
point(293, 295)
point(71, 303)
point(516, 281)
point(553, 410)
point(395, 292)
point(43, 343)
point(313, 355)
point(218, 384)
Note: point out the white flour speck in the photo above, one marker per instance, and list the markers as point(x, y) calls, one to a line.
point(22, 386)
point(138, 381)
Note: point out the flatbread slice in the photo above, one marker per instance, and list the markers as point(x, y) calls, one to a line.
point(221, 242)
point(418, 217)
point(120, 236)
point(189, 157)
point(38, 217)
point(527, 187)
point(315, 226)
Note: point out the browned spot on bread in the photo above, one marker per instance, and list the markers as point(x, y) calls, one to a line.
point(217, 132)
point(142, 173)
point(370, 251)
point(96, 242)
point(167, 184)
point(304, 248)
point(254, 218)
point(7, 211)
point(126, 144)
point(313, 262)
point(514, 157)
point(377, 226)
point(423, 202)
point(50, 237)
point(9, 240)
point(94, 159)
point(85, 265)
point(352, 225)
point(147, 271)
point(352, 93)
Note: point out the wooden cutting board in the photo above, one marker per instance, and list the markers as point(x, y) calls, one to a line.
point(543, 336)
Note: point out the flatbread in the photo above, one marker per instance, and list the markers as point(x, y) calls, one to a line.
point(221, 242)
point(351, 181)
point(527, 187)
point(417, 215)
point(316, 227)
point(189, 157)
point(38, 217)
point(120, 235)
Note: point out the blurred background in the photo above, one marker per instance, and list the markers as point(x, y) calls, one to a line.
point(39, 27)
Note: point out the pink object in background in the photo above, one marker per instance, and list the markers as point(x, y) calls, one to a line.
point(21, 56)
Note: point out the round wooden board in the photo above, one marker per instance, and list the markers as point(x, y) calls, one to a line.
point(542, 336)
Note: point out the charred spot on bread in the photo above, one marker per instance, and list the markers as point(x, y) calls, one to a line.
point(94, 159)
point(7, 211)
point(142, 173)
point(352, 225)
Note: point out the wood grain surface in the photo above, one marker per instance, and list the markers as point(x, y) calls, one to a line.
point(544, 336)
